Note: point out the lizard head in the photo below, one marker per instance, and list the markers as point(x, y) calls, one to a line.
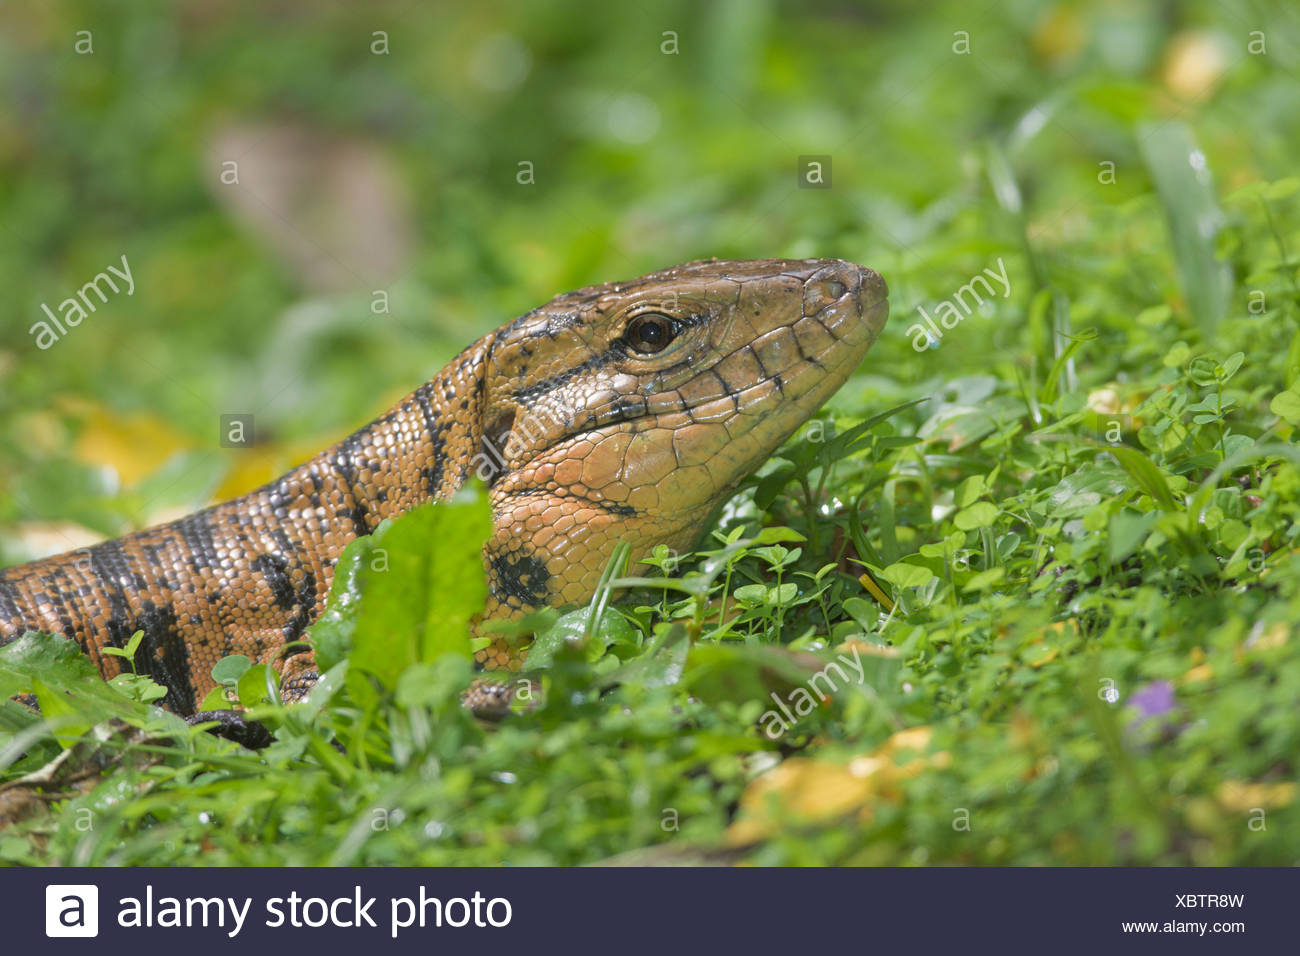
point(629, 410)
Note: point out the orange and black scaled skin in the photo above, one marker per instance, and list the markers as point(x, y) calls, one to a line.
point(624, 411)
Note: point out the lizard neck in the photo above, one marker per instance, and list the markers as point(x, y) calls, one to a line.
point(422, 449)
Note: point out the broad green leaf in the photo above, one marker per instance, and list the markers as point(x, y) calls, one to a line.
point(257, 686)
point(1279, 189)
point(969, 491)
point(764, 595)
point(1146, 475)
point(985, 579)
point(1286, 405)
point(982, 514)
point(1231, 364)
point(1282, 188)
point(662, 663)
point(770, 485)
point(1291, 370)
point(229, 669)
point(571, 628)
point(407, 592)
point(782, 594)
point(69, 687)
point(138, 687)
point(1077, 494)
point(62, 712)
point(728, 672)
point(44, 656)
point(1203, 370)
point(216, 700)
point(1128, 532)
point(1233, 533)
point(332, 634)
point(863, 612)
point(435, 683)
point(903, 575)
point(1182, 178)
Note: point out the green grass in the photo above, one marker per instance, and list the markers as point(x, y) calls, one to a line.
point(1079, 510)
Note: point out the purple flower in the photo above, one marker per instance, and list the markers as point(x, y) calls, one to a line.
point(1155, 720)
point(1153, 700)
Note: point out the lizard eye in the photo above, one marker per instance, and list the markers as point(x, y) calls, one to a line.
point(650, 332)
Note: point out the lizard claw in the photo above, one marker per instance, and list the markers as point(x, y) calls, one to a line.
point(494, 700)
point(233, 725)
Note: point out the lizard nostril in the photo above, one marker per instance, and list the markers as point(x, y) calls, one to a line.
point(821, 291)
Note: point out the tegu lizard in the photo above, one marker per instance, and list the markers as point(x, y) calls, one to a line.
point(625, 411)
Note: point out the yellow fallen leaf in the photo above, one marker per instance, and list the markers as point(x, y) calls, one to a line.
point(1056, 628)
point(1194, 65)
point(804, 790)
point(1201, 672)
point(1104, 401)
point(133, 444)
point(1274, 636)
point(883, 651)
point(1242, 796)
point(1041, 656)
point(255, 466)
point(33, 540)
point(1037, 649)
point(1203, 815)
point(1113, 405)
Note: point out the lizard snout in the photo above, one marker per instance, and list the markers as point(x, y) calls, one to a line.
point(831, 283)
point(847, 283)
